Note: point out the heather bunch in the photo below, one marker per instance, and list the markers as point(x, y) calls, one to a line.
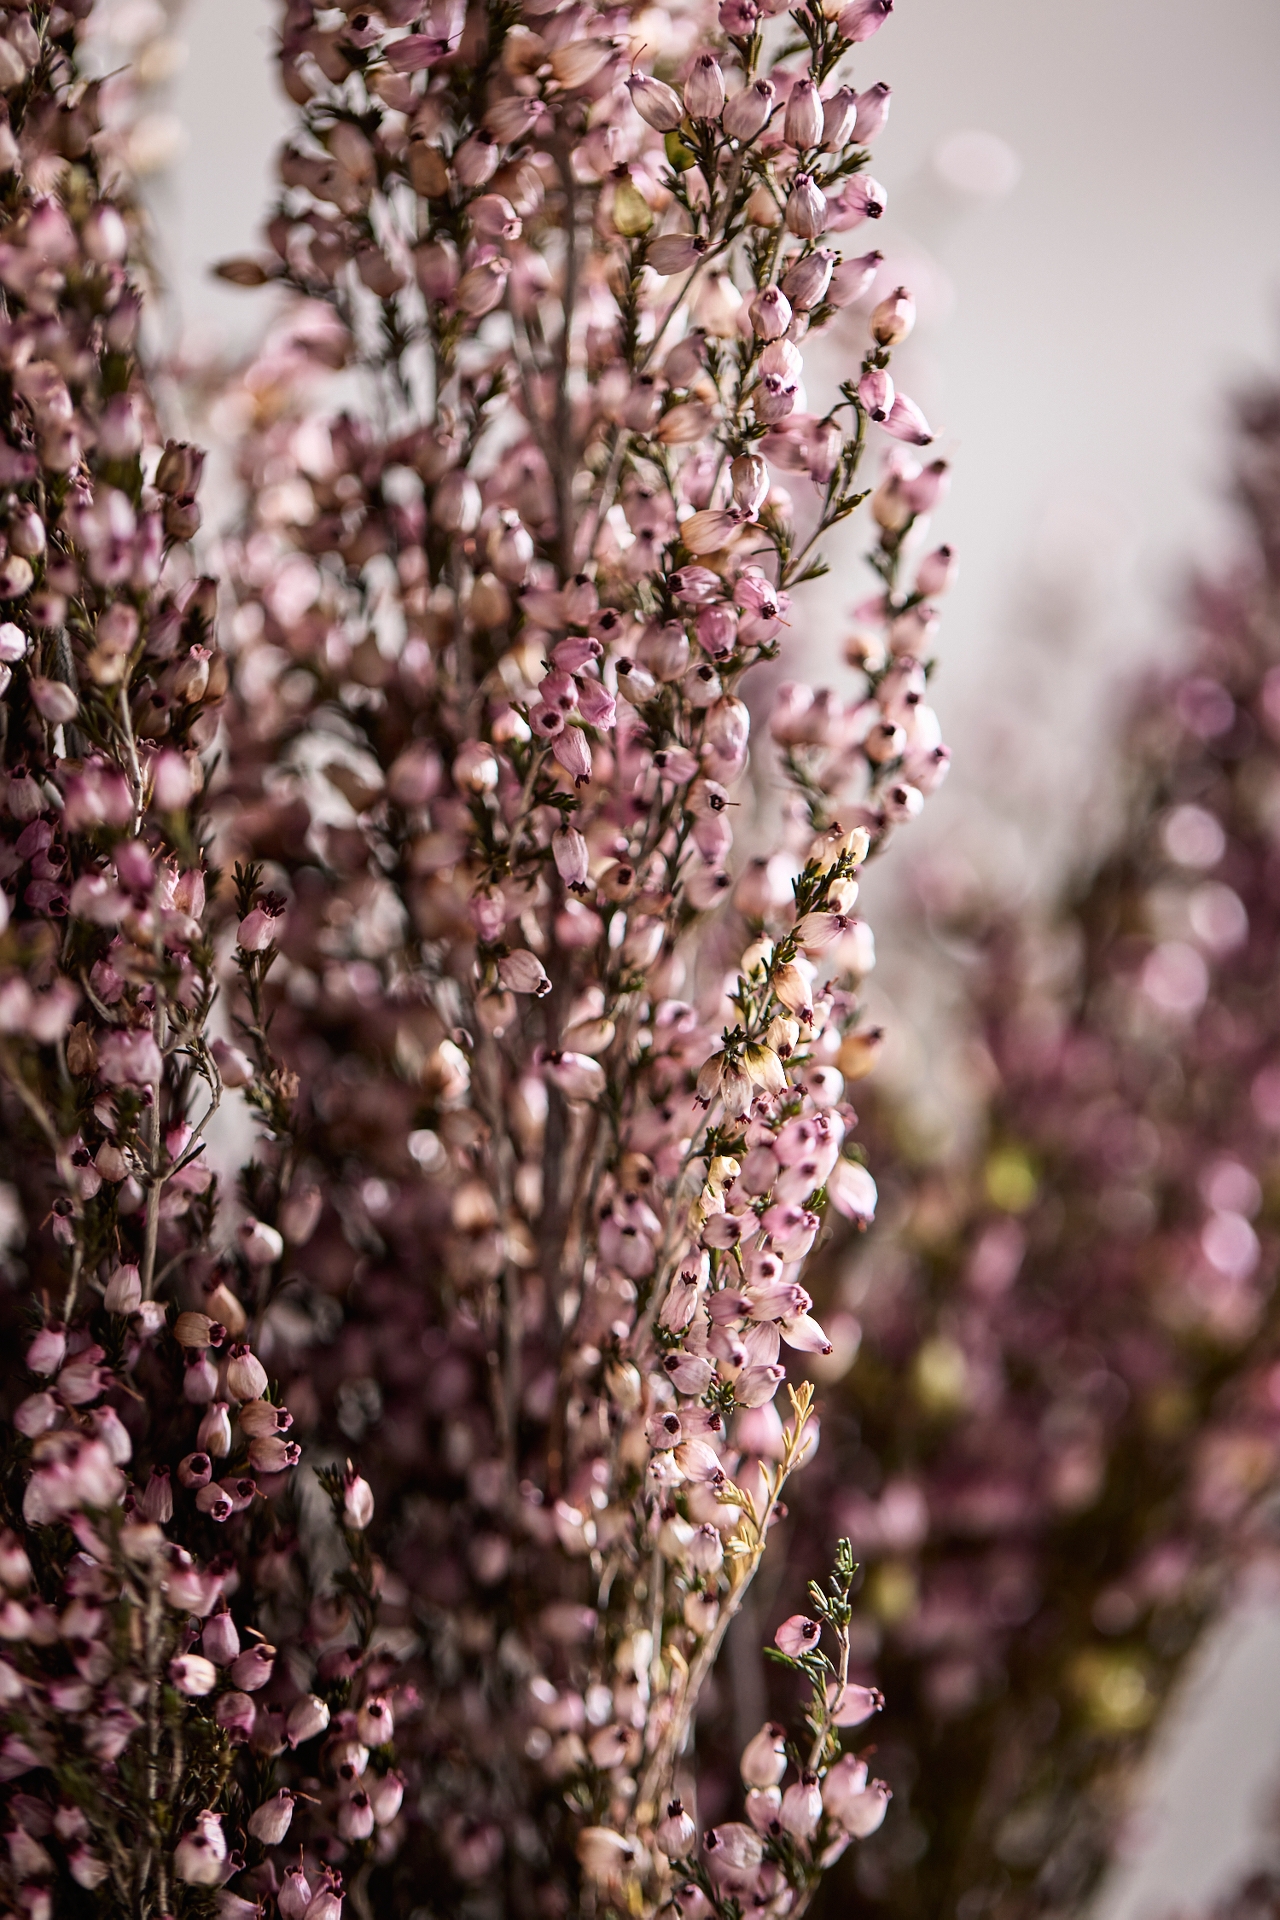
point(572, 1099)
point(161, 1651)
point(1059, 1441)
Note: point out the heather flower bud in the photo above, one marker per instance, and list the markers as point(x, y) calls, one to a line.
point(220, 1641)
point(747, 112)
point(706, 1551)
point(770, 313)
point(604, 1855)
point(357, 1501)
point(246, 1375)
point(704, 89)
point(476, 159)
point(294, 1896)
point(262, 925)
point(47, 1351)
point(123, 1291)
point(937, 571)
point(195, 1470)
point(801, 1808)
point(260, 1244)
point(355, 1816)
point(456, 505)
point(875, 392)
point(674, 253)
point(270, 1822)
point(193, 1675)
point(797, 1635)
point(386, 1796)
point(850, 279)
point(675, 1832)
point(802, 125)
point(656, 103)
point(873, 111)
point(851, 1705)
point(906, 422)
point(749, 477)
point(806, 210)
point(862, 18)
point(308, 1716)
point(375, 1722)
point(271, 1454)
point(251, 1670)
point(571, 857)
point(199, 1855)
point(894, 317)
point(839, 112)
point(734, 1848)
point(214, 1435)
point(805, 284)
point(200, 1379)
point(15, 1567)
point(853, 1802)
point(523, 972)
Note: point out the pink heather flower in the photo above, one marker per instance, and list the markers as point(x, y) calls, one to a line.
point(797, 1635)
point(851, 1705)
point(270, 1821)
point(262, 927)
point(853, 1802)
point(357, 1502)
point(764, 1758)
point(193, 1675)
point(199, 1855)
point(129, 1057)
point(801, 1809)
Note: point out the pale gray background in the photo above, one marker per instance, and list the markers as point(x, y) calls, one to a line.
point(1079, 336)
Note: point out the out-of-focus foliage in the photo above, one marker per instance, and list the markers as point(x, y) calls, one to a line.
point(1060, 1436)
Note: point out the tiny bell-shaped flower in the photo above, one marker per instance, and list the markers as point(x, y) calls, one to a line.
point(220, 1641)
point(764, 1758)
point(357, 1501)
point(770, 314)
point(797, 1635)
point(851, 278)
point(123, 1291)
point(199, 1855)
point(906, 422)
point(801, 1808)
point(676, 1832)
point(763, 1805)
point(749, 477)
point(873, 111)
point(937, 571)
point(657, 104)
point(214, 1435)
point(704, 89)
point(806, 211)
point(805, 284)
point(47, 1350)
point(246, 1375)
point(853, 1802)
point(862, 18)
point(839, 113)
point(747, 112)
point(802, 124)
point(193, 1675)
point(270, 1822)
point(875, 391)
point(894, 317)
point(308, 1716)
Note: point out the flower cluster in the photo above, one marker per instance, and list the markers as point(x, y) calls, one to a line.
point(172, 1619)
point(1061, 1434)
point(569, 1134)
